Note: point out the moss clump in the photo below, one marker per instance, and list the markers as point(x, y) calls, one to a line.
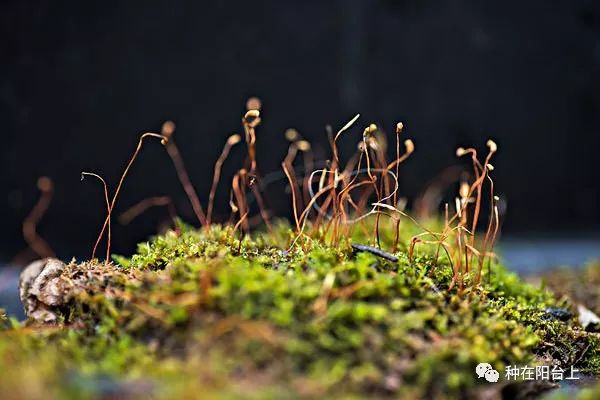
point(581, 286)
point(198, 310)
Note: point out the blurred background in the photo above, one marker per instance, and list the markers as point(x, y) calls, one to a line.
point(79, 82)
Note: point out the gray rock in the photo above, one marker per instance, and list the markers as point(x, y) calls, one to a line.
point(42, 289)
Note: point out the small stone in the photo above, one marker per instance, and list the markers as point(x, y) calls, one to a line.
point(588, 320)
point(561, 314)
point(26, 279)
point(46, 286)
point(42, 290)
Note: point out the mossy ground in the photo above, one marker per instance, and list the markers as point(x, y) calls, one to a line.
point(581, 285)
point(197, 314)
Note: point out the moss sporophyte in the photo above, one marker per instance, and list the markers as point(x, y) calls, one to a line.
point(356, 298)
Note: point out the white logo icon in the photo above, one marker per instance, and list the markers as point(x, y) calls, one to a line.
point(485, 370)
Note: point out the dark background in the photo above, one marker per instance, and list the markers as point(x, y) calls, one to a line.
point(79, 81)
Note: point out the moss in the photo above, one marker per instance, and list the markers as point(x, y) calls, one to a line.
point(581, 286)
point(198, 310)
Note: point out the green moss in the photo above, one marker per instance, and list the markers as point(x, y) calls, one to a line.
point(198, 310)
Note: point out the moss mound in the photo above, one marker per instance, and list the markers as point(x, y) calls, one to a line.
point(197, 312)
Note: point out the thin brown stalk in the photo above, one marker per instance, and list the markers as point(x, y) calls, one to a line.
point(345, 194)
point(108, 213)
point(309, 163)
point(358, 211)
point(493, 225)
point(293, 185)
point(240, 196)
point(338, 134)
point(262, 209)
point(184, 178)
point(333, 170)
point(164, 140)
point(288, 169)
point(307, 209)
point(136, 210)
point(481, 171)
point(231, 141)
point(322, 212)
point(410, 148)
point(235, 228)
point(168, 129)
point(399, 128)
point(237, 225)
point(250, 121)
point(367, 135)
point(397, 236)
point(33, 239)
